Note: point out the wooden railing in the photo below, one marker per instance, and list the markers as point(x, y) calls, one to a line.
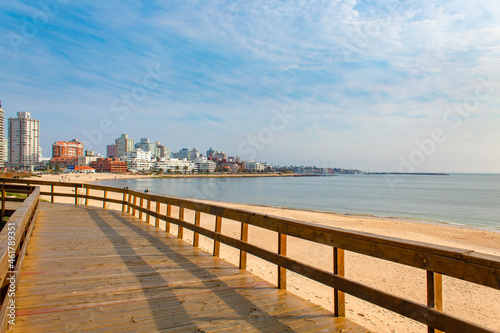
point(464, 264)
point(14, 239)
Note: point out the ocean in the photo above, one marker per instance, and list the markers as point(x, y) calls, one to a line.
point(463, 199)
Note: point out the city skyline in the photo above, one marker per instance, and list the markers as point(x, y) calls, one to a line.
point(366, 85)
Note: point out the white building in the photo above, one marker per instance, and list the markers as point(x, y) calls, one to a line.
point(24, 141)
point(161, 151)
point(147, 145)
point(194, 154)
point(86, 160)
point(220, 155)
point(202, 165)
point(138, 160)
point(254, 166)
point(137, 154)
point(175, 165)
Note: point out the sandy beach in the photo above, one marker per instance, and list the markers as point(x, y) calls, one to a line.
point(466, 300)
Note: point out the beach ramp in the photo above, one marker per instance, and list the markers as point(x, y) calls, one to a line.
point(97, 270)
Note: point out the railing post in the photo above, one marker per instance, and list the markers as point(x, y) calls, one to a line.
point(158, 209)
point(141, 202)
point(123, 202)
point(243, 238)
point(76, 195)
point(434, 294)
point(133, 208)
point(148, 215)
point(196, 236)
point(87, 197)
point(282, 270)
point(218, 229)
point(338, 269)
point(104, 201)
point(169, 214)
point(180, 232)
point(51, 193)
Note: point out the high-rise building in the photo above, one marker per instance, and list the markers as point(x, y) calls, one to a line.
point(183, 154)
point(24, 141)
point(3, 142)
point(123, 145)
point(73, 148)
point(145, 145)
point(193, 154)
point(210, 152)
point(111, 151)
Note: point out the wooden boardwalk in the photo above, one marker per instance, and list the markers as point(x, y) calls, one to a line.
point(90, 269)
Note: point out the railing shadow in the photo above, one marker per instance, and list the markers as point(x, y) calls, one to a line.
point(224, 292)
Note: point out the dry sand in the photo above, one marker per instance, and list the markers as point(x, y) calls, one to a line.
point(466, 300)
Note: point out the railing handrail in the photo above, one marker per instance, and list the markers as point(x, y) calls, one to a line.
point(14, 239)
point(464, 264)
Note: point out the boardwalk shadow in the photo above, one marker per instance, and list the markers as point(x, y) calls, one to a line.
point(186, 315)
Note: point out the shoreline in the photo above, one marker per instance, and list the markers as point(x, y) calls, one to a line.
point(242, 175)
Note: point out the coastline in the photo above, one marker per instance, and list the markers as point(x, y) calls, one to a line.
point(242, 175)
point(479, 304)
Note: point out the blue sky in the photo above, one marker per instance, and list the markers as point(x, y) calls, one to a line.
point(374, 85)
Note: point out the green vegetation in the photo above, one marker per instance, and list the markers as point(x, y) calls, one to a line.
point(17, 195)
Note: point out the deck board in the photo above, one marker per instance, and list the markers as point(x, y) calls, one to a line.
point(90, 269)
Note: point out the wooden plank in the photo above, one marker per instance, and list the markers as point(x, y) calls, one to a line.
point(218, 229)
point(338, 296)
point(87, 194)
point(243, 238)
point(90, 197)
point(282, 270)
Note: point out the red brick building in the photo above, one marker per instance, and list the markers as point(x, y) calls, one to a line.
point(234, 167)
point(63, 162)
point(73, 148)
point(109, 165)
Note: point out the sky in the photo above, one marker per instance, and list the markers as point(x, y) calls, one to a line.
point(410, 86)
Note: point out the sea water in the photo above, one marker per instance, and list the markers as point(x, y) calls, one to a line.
point(466, 199)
